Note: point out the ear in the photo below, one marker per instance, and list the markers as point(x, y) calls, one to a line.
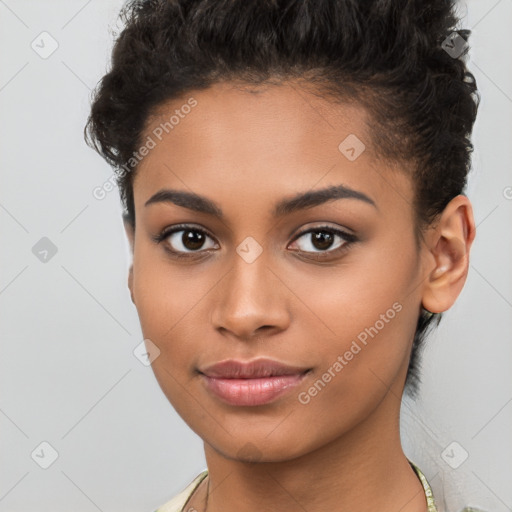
point(448, 243)
point(130, 233)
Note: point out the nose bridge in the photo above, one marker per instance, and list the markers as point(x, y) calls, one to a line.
point(250, 296)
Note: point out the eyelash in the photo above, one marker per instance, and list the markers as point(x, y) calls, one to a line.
point(348, 238)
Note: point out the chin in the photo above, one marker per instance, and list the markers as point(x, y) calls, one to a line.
point(253, 449)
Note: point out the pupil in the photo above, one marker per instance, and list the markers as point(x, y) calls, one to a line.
point(192, 239)
point(322, 239)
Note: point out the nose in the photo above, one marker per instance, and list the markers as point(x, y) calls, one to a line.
point(250, 300)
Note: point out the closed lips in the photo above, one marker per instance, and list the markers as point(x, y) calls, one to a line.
point(256, 369)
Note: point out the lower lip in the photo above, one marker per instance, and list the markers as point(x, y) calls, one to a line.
point(252, 391)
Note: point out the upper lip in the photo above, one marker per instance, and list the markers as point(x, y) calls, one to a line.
point(257, 368)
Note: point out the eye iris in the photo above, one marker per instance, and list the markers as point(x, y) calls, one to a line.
point(192, 239)
point(322, 239)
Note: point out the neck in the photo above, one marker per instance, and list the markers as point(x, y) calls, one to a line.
point(365, 469)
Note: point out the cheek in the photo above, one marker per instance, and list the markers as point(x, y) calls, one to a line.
point(363, 293)
point(368, 313)
point(356, 368)
point(166, 301)
point(164, 294)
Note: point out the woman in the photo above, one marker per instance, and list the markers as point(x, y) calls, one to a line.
point(293, 178)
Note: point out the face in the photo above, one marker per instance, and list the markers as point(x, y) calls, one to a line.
point(325, 287)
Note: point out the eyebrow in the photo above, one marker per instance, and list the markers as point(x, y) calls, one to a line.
point(301, 201)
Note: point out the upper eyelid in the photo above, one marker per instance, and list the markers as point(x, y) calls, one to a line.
point(323, 228)
point(183, 227)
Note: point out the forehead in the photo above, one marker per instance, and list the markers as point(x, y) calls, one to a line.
point(263, 140)
point(279, 120)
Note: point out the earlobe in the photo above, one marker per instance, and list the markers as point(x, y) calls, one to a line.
point(129, 229)
point(130, 233)
point(130, 282)
point(449, 245)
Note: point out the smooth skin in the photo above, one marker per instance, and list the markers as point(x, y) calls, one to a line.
point(246, 150)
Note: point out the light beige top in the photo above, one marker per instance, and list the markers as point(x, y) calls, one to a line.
point(177, 504)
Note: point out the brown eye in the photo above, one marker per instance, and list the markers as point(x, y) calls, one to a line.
point(192, 240)
point(323, 240)
point(186, 240)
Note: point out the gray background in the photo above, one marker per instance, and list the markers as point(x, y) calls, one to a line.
point(68, 375)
